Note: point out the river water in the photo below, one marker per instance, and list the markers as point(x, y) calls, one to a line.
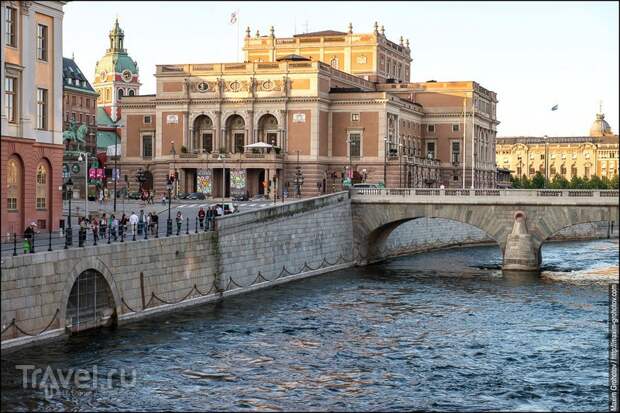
point(436, 331)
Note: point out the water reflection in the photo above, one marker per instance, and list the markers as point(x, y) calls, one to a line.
point(436, 331)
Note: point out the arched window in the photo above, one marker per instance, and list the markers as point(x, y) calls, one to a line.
point(120, 93)
point(41, 188)
point(13, 184)
point(131, 92)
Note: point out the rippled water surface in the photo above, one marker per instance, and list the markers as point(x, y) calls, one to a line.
point(436, 331)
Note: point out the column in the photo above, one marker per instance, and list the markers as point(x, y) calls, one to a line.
point(249, 137)
point(218, 131)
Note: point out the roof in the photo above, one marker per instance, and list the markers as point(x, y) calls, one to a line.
point(321, 33)
point(505, 140)
point(73, 78)
point(116, 62)
point(106, 138)
point(293, 57)
point(103, 118)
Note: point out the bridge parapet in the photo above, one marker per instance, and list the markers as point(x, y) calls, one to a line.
point(485, 196)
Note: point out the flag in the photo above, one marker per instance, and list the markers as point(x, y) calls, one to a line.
point(233, 17)
point(555, 107)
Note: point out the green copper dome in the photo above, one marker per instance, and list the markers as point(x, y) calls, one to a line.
point(116, 58)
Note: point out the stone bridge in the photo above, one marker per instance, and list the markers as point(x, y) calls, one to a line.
point(520, 221)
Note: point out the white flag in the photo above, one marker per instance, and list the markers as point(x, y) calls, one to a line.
point(233, 17)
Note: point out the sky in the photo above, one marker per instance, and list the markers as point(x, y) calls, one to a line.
point(532, 54)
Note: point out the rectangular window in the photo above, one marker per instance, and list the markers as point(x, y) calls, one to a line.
point(456, 151)
point(455, 127)
point(42, 42)
point(355, 117)
point(11, 27)
point(430, 128)
point(354, 144)
point(73, 116)
point(87, 102)
point(238, 141)
point(147, 119)
point(42, 224)
point(80, 101)
point(42, 109)
point(207, 142)
point(12, 204)
point(147, 146)
point(40, 203)
point(542, 156)
point(9, 90)
point(80, 118)
point(73, 100)
point(430, 150)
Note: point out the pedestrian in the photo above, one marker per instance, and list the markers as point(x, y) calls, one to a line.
point(163, 199)
point(442, 186)
point(101, 196)
point(133, 221)
point(103, 226)
point(179, 220)
point(141, 221)
point(151, 197)
point(94, 226)
point(123, 223)
point(201, 217)
point(83, 227)
point(149, 223)
point(28, 235)
point(155, 223)
point(220, 210)
point(114, 226)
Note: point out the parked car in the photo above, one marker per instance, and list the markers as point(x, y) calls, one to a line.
point(133, 195)
point(243, 197)
point(365, 185)
point(229, 208)
point(259, 197)
point(196, 195)
point(182, 195)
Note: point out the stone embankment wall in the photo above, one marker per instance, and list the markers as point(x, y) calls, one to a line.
point(248, 251)
point(426, 234)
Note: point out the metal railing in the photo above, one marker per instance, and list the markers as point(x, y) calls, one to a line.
point(513, 193)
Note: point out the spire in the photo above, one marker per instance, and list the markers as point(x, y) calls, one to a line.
point(257, 34)
point(401, 40)
point(247, 32)
point(116, 38)
point(407, 43)
point(271, 31)
point(382, 30)
point(350, 28)
point(376, 28)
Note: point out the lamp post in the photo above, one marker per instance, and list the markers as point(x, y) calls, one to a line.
point(69, 235)
point(85, 181)
point(115, 175)
point(546, 161)
point(385, 162)
point(223, 159)
point(299, 177)
point(169, 222)
point(174, 169)
point(400, 165)
point(350, 172)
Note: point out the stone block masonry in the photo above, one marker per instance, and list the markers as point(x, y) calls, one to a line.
point(250, 250)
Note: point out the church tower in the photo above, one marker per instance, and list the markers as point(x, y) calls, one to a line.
point(116, 75)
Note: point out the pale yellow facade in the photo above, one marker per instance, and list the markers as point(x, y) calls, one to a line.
point(581, 156)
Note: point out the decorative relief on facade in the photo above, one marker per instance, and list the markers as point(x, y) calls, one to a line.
point(237, 86)
point(362, 59)
point(203, 87)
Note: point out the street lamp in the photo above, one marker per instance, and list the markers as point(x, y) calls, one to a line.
point(85, 181)
point(69, 234)
point(546, 156)
point(223, 159)
point(400, 165)
point(299, 177)
point(385, 162)
point(174, 169)
point(169, 222)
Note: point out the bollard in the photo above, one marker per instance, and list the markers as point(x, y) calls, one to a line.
point(49, 248)
point(157, 228)
point(32, 246)
point(14, 244)
point(121, 229)
point(95, 236)
point(81, 238)
point(146, 231)
point(109, 233)
point(67, 238)
point(187, 227)
point(134, 232)
point(196, 224)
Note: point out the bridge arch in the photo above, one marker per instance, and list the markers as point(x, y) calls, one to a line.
point(89, 295)
point(373, 226)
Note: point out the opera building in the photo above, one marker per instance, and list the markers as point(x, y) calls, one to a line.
point(326, 106)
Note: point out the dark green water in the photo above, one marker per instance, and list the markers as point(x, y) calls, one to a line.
point(436, 331)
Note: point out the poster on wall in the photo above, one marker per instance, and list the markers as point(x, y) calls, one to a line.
point(237, 182)
point(204, 181)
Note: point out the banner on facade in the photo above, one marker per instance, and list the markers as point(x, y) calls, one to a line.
point(237, 182)
point(96, 173)
point(204, 181)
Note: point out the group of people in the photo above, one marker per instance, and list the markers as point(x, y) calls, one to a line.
point(111, 227)
point(209, 215)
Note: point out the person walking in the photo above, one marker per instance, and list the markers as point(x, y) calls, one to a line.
point(155, 223)
point(201, 217)
point(114, 226)
point(141, 222)
point(103, 226)
point(123, 223)
point(149, 223)
point(28, 235)
point(220, 211)
point(133, 221)
point(94, 227)
point(179, 220)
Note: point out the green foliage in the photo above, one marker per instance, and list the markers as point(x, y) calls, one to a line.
point(559, 182)
point(538, 181)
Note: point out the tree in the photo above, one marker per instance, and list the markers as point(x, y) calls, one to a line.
point(538, 181)
point(559, 182)
point(613, 183)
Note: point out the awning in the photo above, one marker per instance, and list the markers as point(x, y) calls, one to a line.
point(259, 145)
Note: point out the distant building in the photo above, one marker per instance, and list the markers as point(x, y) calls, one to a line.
point(79, 108)
point(32, 124)
point(338, 104)
point(568, 156)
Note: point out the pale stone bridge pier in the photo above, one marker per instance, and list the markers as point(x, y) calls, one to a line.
point(520, 221)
